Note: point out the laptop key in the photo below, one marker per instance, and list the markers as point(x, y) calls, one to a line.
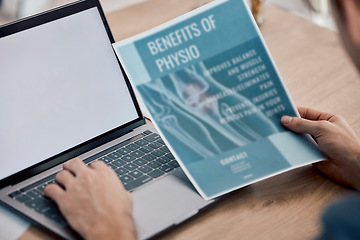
point(152, 137)
point(154, 164)
point(156, 173)
point(132, 147)
point(149, 157)
point(119, 162)
point(138, 182)
point(137, 154)
point(42, 187)
point(34, 193)
point(145, 169)
point(166, 168)
point(140, 162)
point(130, 166)
point(105, 159)
point(112, 166)
point(14, 194)
point(148, 132)
point(52, 214)
point(39, 203)
point(34, 204)
point(59, 219)
point(165, 149)
point(51, 182)
point(174, 164)
point(114, 155)
point(141, 142)
point(160, 141)
point(23, 198)
point(128, 158)
point(121, 171)
point(123, 151)
point(135, 174)
point(170, 156)
point(46, 209)
point(163, 160)
point(155, 145)
point(126, 178)
point(146, 149)
point(158, 153)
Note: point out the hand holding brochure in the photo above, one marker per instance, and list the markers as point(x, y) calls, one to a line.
point(216, 97)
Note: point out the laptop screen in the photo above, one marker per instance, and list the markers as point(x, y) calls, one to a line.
point(60, 85)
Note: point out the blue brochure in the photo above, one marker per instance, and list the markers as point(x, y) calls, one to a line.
point(216, 97)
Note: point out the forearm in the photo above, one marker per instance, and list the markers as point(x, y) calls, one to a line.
point(354, 173)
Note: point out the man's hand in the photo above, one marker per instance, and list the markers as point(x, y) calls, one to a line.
point(94, 201)
point(336, 140)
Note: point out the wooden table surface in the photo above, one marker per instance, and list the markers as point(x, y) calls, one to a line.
point(318, 74)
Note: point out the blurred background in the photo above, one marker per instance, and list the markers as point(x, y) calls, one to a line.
point(316, 11)
point(11, 10)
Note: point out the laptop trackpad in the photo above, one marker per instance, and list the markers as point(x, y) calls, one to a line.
point(164, 203)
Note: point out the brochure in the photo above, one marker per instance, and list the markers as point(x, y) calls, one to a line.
point(216, 97)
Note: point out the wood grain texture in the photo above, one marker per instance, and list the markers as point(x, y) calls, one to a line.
point(318, 74)
point(36, 232)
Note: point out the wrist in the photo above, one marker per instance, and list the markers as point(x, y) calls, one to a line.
point(118, 230)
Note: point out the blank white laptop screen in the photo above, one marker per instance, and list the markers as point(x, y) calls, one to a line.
point(60, 85)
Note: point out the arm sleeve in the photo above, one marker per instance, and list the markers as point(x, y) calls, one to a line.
point(342, 220)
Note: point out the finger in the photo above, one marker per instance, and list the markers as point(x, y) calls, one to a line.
point(326, 167)
point(301, 125)
point(74, 165)
point(64, 178)
point(331, 170)
point(98, 165)
point(55, 192)
point(312, 114)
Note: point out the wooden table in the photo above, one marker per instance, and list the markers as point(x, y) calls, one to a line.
point(319, 75)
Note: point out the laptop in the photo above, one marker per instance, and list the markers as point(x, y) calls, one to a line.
point(64, 94)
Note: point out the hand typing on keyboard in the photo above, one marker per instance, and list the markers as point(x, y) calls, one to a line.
point(94, 201)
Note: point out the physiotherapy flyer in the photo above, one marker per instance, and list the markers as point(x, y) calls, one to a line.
point(216, 97)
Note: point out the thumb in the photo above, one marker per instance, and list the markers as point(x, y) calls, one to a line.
point(299, 125)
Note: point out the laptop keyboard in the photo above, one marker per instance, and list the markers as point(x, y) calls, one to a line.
point(136, 161)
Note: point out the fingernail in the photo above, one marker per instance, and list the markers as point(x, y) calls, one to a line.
point(286, 119)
